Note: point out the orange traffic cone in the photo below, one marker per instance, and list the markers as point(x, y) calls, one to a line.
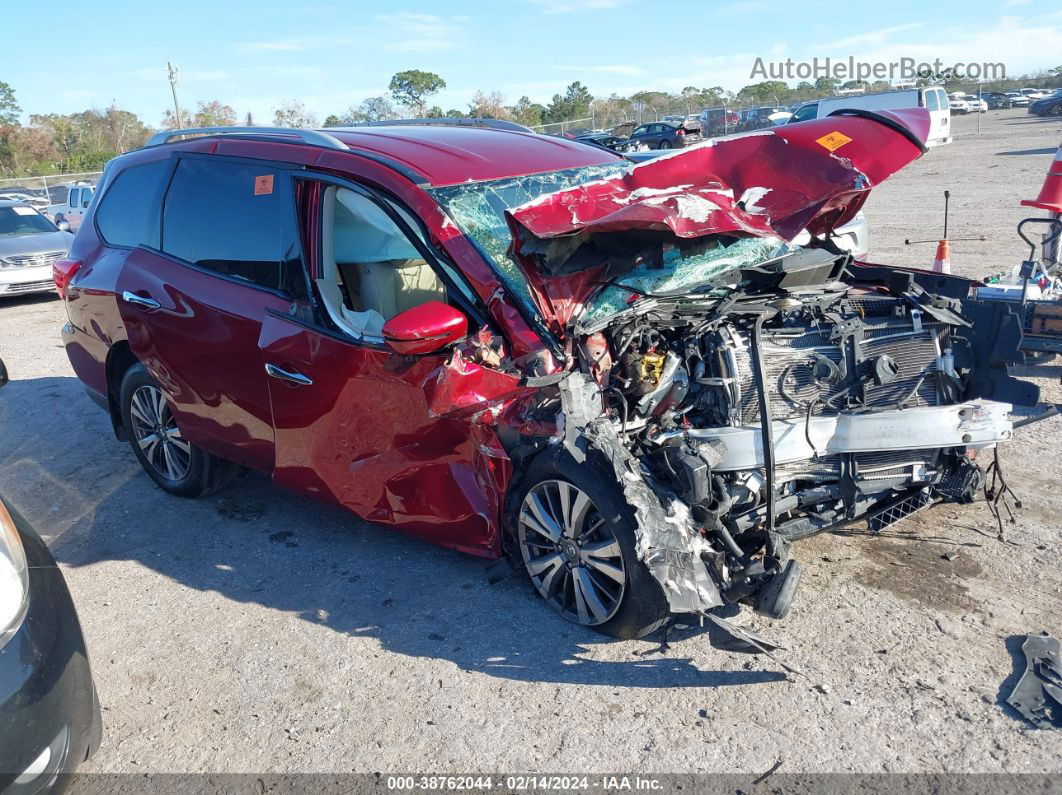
point(1050, 197)
point(942, 262)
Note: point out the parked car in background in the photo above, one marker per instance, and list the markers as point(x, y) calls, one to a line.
point(49, 713)
point(661, 135)
point(958, 105)
point(71, 207)
point(674, 118)
point(29, 245)
point(623, 145)
point(932, 98)
point(718, 121)
point(997, 100)
point(1032, 93)
point(975, 103)
point(1050, 105)
point(767, 116)
point(37, 202)
point(1018, 99)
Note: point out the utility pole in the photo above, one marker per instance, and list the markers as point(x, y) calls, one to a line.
point(173, 87)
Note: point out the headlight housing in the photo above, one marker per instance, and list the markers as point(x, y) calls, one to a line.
point(14, 578)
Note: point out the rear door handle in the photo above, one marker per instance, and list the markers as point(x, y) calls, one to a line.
point(140, 300)
point(287, 375)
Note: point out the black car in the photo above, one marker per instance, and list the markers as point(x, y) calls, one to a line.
point(1048, 106)
point(996, 100)
point(609, 142)
point(49, 712)
point(664, 135)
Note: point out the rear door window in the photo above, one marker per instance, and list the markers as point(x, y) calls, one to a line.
point(128, 213)
point(228, 217)
point(72, 197)
point(932, 100)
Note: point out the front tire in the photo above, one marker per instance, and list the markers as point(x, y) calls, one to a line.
point(576, 535)
point(177, 466)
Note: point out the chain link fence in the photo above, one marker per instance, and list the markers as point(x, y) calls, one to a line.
point(43, 192)
point(715, 121)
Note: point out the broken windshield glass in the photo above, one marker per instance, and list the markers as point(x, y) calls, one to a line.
point(478, 209)
point(678, 271)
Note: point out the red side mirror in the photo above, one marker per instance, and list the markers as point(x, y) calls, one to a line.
point(425, 328)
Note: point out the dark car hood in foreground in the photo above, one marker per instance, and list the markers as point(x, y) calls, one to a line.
point(813, 175)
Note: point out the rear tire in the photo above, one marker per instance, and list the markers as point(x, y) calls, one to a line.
point(599, 542)
point(663, 145)
point(176, 466)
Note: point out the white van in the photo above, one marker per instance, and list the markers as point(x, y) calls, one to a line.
point(932, 98)
point(70, 201)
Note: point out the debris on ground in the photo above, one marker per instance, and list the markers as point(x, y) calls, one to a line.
point(1038, 694)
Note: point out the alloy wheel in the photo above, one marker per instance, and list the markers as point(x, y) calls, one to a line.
point(571, 553)
point(157, 434)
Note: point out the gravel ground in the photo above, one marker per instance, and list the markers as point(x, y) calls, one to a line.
point(257, 631)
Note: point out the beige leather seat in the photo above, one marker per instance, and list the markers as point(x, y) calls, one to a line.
point(396, 285)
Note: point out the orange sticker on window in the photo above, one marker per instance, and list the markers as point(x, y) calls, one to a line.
point(833, 141)
point(263, 185)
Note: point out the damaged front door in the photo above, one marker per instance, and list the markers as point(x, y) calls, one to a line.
point(401, 440)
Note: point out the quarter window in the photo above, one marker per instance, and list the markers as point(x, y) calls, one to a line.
point(128, 212)
point(229, 218)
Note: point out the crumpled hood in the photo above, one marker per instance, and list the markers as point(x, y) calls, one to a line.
point(814, 175)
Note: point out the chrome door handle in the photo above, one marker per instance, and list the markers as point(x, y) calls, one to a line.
point(139, 300)
point(286, 375)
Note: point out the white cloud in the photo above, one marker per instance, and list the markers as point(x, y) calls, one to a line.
point(406, 31)
point(568, 6)
point(627, 70)
point(871, 38)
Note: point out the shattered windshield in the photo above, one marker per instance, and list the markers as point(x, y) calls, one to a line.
point(678, 271)
point(478, 209)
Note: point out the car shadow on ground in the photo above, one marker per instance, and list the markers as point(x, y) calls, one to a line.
point(252, 543)
point(1050, 150)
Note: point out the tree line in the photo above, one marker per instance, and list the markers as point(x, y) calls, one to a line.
point(54, 143)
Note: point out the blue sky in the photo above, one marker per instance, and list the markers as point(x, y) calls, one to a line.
point(255, 54)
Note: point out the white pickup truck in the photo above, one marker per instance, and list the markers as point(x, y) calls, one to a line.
point(70, 207)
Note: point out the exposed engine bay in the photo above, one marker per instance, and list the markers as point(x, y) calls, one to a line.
point(757, 415)
point(741, 391)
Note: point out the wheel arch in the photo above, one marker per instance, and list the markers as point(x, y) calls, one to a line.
point(120, 358)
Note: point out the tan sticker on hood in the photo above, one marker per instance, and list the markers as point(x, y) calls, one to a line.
point(833, 141)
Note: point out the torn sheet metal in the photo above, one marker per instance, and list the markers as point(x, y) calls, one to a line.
point(769, 182)
point(463, 387)
point(667, 541)
point(1038, 694)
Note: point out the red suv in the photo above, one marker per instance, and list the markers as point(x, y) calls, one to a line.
point(621, 376)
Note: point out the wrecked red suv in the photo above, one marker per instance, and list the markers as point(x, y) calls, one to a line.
point(621, 376)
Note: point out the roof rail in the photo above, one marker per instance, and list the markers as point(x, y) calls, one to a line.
point(313, 137)
point(446, 121)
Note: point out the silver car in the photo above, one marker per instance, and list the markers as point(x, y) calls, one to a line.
point(29, 244)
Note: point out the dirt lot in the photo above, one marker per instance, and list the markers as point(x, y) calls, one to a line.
point(256, 631)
